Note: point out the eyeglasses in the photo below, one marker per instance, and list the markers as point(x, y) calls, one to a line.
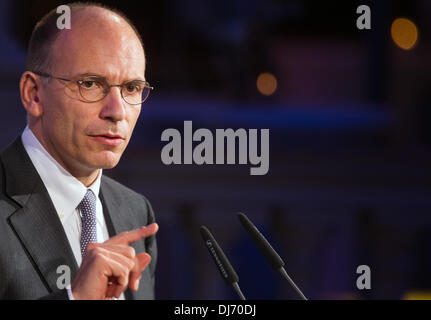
point(96, 88)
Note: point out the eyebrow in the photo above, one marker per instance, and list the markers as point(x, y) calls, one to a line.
point(95, 75)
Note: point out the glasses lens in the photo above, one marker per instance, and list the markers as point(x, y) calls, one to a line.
point(134, 94)
point(91, 90)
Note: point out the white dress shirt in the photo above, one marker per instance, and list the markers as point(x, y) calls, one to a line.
point(66, 192)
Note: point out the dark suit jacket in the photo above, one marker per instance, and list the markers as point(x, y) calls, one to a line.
point(32, 239)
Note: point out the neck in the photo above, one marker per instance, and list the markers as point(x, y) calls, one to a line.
point(87, 180)
point(87, 176)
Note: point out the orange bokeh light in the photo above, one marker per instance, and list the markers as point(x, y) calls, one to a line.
point(266, 83)
point(404, 33)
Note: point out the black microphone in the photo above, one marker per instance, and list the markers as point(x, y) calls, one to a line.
point(228, 273)
point(267, 250)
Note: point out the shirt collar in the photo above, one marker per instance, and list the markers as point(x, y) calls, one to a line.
point(65, 190)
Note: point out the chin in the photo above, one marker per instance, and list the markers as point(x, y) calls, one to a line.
point(106, 160)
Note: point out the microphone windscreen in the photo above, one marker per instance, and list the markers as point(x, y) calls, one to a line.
point(263, 245)
point(223, 265)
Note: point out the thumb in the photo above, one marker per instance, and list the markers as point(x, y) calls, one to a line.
point(144, 260)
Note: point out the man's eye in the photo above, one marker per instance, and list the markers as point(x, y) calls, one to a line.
point(88, 84)
point(131, 88)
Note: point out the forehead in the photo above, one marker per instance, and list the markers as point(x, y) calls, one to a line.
point(101, 44)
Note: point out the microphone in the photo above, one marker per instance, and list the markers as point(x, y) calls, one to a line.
point(267, 250)
point(228, 273)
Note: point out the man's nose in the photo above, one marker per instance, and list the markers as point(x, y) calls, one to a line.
point(114, 107)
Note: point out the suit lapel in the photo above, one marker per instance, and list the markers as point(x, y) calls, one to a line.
point(35, 222)
point(111, 207)
point(118, 218)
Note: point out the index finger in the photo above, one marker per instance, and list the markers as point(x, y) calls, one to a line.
point(128, 237)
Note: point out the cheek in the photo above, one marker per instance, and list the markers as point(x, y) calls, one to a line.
point(69, 124)
point(133, 118)
point(56, 121)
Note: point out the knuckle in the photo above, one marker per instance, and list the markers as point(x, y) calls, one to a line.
point(124, 272)
point(131, 252)
point(99, 258)
point(131, 263)
point(124, 234)
point(97, 251)
point(91, 253)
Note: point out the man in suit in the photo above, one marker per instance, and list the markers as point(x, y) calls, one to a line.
point(82, 91)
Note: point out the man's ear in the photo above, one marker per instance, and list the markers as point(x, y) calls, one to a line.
point(29, 87)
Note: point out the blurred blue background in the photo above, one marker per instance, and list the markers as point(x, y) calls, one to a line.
point(349, 179)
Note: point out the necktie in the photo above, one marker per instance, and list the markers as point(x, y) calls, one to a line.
point(88, 218)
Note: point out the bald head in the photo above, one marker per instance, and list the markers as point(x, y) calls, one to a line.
point(84, 17)
point(99, 42)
